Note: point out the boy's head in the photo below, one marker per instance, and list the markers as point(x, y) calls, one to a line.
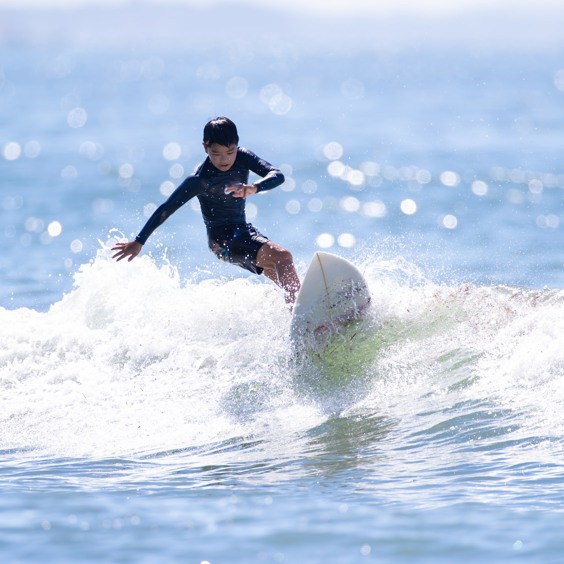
point(222, 131)
point(220, 142)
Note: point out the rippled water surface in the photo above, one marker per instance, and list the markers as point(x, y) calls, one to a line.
point(154, 410)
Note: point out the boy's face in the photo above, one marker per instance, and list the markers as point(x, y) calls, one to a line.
point(221, 157)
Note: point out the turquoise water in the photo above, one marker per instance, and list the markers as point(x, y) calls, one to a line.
point(153, 411)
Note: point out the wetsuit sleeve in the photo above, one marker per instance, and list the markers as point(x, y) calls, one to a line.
point(271, 176)
point(186, 191)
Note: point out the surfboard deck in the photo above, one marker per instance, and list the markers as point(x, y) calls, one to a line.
point(333, 295)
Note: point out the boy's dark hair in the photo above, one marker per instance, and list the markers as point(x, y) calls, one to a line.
point(221, 130)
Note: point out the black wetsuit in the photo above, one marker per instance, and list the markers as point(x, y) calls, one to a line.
point(230, 237)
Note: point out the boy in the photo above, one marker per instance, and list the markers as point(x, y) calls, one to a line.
point(221, 185)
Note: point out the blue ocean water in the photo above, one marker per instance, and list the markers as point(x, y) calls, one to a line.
point(151, 411)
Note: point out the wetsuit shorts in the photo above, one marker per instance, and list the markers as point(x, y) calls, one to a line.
point(237, 244)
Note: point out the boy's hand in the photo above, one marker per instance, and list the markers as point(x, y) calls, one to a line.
point(241, 190)
point(131, 250)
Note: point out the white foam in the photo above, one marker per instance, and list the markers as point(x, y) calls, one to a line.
point(136, 360)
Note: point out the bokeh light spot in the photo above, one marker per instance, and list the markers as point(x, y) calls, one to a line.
point(149, 209)
point(167, 188)
point(423, 176)
point(45, 238)
point(91, 150)
point(315, 205)
point(449, 221)
point(350, 204)
point(355, 177)
point(370, 168)
point(76, 246)
point(559, 79)
point(346, 240)
point(336, 168)
point(408, 206)
point(374, 209)
point(479, 187)
point(535, 186)
point(450, 178)
point(54, 229)
point(172, 151)
point(12, 151)
point(293, 207)
point(126, 170)
point(325, 240)
point(34, 224)
point(32, 149)
point(77, 117)
point(309, 187)
point(275, 99)
point(289, 184)
point(237, 87)
point(69, 172)
point(176, 171)
point(550, 221)
point(333, 151)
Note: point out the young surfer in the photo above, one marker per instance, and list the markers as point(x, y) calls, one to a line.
point(221, 185)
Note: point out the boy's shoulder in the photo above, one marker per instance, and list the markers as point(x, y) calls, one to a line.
point(247, 157)
point(245, 152)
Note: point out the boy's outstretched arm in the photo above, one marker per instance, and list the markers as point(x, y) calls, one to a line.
point(187, 190)
point(131, 250)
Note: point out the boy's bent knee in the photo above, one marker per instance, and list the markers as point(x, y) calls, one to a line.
point(282, 256)
point(274, 254)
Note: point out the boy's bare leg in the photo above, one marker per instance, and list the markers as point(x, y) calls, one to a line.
point(278, 265)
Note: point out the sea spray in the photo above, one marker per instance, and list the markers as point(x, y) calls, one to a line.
point(135, 360)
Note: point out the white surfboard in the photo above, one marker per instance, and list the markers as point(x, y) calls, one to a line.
point(333, 294)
